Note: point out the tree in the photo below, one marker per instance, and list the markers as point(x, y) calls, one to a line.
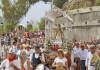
point(9, 26)
point(59, 3)
point(42, 24)
point(14, 13)
point(29, 27)
point(34, 29)
point(33, 1)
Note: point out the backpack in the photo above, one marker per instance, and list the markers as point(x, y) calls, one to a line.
point(97, 65)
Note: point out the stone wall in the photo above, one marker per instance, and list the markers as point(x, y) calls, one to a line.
point(86, 24)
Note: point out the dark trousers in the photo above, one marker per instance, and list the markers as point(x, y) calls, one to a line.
point(83, 67)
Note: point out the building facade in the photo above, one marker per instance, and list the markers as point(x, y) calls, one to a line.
point(86, 24)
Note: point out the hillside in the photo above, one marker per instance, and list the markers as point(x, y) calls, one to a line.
point(75, 4)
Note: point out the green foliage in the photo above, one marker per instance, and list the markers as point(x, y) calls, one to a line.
point(33, 1)
point(75, 7)
point(42, 24)
point(62, 46)
point(34, 29)
point(59, 3)
point(29, 27)
point(14, 13)
point(69, 46)
point(48, 45)
point(1, 30)
point(97, 3)
point(10, 26)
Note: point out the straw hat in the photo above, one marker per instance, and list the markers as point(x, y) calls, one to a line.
point(60, 50)
point(92, 46)
point(12, 51)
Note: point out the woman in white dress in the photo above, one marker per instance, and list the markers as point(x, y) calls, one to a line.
point(60, 59)
point(25, 63)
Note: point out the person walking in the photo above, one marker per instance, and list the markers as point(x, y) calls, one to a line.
point(91, 58)
point(77, 55)
point(83, 53)
point(97, 65)
point(60, 60)
point(37, 57)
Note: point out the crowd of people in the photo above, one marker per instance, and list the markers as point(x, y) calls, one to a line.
point(87, 55)
point(27, 53)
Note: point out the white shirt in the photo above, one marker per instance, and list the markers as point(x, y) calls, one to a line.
point(83, 54)
point(5, 64)
point(18, 52)
point(76, 51)
point(58, 60)
point(36, 56)
point(88, 59)
point(29, 52)
point(25, 65)
point(1, 54)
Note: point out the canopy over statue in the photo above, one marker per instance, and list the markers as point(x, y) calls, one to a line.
point(57, 25)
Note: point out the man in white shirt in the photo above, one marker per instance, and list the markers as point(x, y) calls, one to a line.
point(89, 58)
point(76, 50)
point(11, 63)
point(37, 57)
point(28, 51)
point(77, 55)
point(83, 53)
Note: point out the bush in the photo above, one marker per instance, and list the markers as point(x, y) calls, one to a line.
point(10, 27)
point(97, 3)
point(75, 7)
point(59, 3)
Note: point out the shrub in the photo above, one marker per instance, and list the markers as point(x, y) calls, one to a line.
point(97, 3)
point(74, 7)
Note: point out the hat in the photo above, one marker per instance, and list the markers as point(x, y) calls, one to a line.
point(12, 51)
point(92, 46)
point(37, 46)
point(60, 50)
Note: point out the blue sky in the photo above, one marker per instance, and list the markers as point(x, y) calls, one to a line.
point(35, 12)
